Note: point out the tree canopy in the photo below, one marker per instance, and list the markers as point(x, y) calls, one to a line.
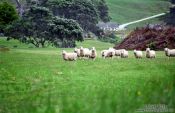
point(82, 11)
point(39, 27)
point(8, 14)
point(59, 22)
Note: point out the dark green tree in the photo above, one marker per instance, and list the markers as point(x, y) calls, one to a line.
point(39, 28)
point(103, 10)
point(8, 14)
point(170, 17)
point(67, 31)
point(83, 11)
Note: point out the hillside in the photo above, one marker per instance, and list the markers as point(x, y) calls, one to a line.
point(123, 11)
point(157, 38)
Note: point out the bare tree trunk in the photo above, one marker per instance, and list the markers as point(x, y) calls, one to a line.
point(19, 7)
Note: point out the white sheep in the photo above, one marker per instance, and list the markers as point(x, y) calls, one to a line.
point(111, 51)
point(85, 52)
point(103, 53)
point(138, 54)
point(93, 54)
point(124, 54)
point(170, 52)
point(76, 50)
point(69, 56)
point(118, 52)
point(107, 53)
point(150, 53)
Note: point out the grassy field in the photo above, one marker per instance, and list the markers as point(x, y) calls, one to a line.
point(123, 11)
point(37, 80)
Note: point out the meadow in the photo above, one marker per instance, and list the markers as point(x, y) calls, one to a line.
point(123, 11)
point(38, 80)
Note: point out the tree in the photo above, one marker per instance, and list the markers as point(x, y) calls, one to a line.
point(8, 14)
point(83, 11)
point(103, 11)
point(38, 26)
point(170, 17)
point(67, 31)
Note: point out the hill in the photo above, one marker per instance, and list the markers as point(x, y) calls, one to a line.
point(157, 37)
point(123, 11)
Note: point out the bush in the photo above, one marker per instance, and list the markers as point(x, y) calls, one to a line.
point(111, 38)
point(7, 15)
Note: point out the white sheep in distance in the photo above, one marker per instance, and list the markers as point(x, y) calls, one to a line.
point(107, 53)
point(170, 52)
point(124, 54)
point(93, 54)
point(111, 51)
point(69, 56)
point(76, 50)
point(150, 53)
point(118, 52)
point(85, 52)
point(103, 53)
point(138, 54)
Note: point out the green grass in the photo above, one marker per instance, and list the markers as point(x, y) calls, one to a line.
point(123, 11)
point(39, 81)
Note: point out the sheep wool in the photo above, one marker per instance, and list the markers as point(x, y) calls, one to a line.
point(118, 52)
point(93, 54)
point(138, 54)
point(150, 53)
point(170, 52)
point(76, 50)
point(69, 56)
point(124, 54)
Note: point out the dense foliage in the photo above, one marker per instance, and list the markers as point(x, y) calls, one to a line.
point(39, 27)
point(8, 14)
point(170, 17)
point(86, 13)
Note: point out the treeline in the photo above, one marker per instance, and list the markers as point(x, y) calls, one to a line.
point(56, 22)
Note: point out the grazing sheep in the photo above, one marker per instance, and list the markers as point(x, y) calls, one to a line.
point(166, 51)
point(85, 52)
point(107, 53)
point(150, 53)
point(170, 52)
point(124, 54)
point(118, 52)
point(138, 54)
point(76, 50)
point(93, 54)
point(69, 56)
point(103, 53)
point(111, 51)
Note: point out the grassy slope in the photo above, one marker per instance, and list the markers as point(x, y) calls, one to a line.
point(39, 81)
point(123, 11)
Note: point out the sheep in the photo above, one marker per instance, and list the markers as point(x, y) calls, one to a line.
point(111, 51)
point(103, 53)
point(107, 53)
point(69, 56)
point(138, 54)
point(166, 51)
point(93, 54)
point(124, 54)
point(118, 52)
point(170, 52)
point(76, 50)
point(150, 53)
point(85, 52)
